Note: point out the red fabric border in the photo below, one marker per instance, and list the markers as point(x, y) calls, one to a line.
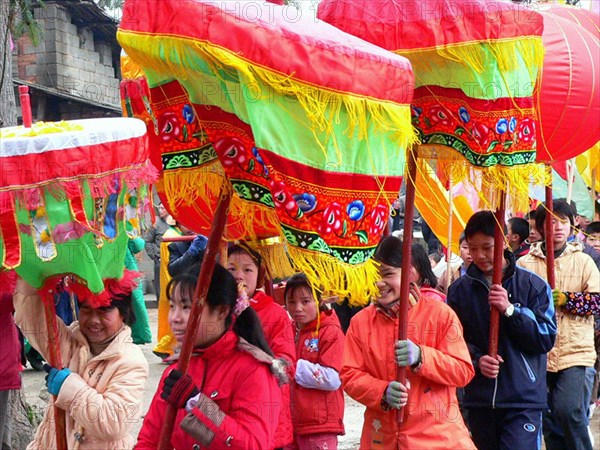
point(23, 171)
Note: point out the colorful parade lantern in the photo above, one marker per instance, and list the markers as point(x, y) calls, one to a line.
point(475, 64)
point(69, 196)
point(567, 97)
point(288, 112)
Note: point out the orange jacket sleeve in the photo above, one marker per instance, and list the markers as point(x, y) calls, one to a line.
point(449, 362)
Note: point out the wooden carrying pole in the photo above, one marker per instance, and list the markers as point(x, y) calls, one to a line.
point(409, 213)
point(497, 273)
point(55, 361)
point(206, 270)
point(548, 232)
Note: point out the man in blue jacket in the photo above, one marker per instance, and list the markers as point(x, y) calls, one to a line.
point(506, 397)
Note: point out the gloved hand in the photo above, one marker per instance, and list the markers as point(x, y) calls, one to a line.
point(560, 299)
point(55, 378)
point(396, 394)
point(407, 353)
point(178, 389)
point(198, 245)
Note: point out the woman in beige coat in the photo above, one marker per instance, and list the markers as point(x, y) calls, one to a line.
point(104, 376)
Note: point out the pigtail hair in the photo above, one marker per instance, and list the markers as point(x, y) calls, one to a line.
point(248, 327)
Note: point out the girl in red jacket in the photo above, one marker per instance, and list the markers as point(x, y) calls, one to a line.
point(229, 398)
point(249, 270)
point(317, 397)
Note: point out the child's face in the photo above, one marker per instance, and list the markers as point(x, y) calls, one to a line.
point(561, 231)
point(481, 248)
point(212, 322)
point(302, 306)
point(464, 253)
point(99, 324)
point(594, 240)
point(245, 271)
point(388, 284)
point(534, 234)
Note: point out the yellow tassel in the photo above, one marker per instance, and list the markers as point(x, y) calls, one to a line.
point(355, 282)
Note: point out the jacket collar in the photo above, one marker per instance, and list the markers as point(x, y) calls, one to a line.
point(538, 250)
point(475, 272)
point(393, 309)
point(325, 318)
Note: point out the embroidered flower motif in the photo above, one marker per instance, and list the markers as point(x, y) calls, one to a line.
point(438, 115)
point(464, 114)
point(378, 219)
point(231, 151)
point(188, 113)
point(502, 126)
point(306, 202)
point(332, 219)
point(356, 210)
point(526, 130)
point(281, 198)
point(168, 126)
point(512, 124)
point(481, 134)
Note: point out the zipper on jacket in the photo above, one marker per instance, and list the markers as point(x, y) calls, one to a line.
point(495, 391)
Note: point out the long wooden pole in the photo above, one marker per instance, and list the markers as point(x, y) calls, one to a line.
point(206, 270)
point(548, 235)
point(497, 272)
point(409, 213)
point(449, 245)
point(55, 361)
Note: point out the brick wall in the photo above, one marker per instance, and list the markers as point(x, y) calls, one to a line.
point(69, 58)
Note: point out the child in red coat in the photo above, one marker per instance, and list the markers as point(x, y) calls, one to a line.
point(249, 270)
point(317, 397)
point(229, 398)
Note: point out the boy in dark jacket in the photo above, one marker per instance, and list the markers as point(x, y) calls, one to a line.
point(506, 398)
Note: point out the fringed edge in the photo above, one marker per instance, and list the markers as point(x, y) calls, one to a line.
point(200, 188)
point(492, 183)
point(355, 282)
point(100, 185)
point(113, 288)
point(474, 54)
point(274, 253)
point(322, 105)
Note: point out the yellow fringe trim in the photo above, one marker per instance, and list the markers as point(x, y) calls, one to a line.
point(322, 105)
point(200, 190)
point(276, 257)
point(493, 182)
point(333, 277)
point(508, 53)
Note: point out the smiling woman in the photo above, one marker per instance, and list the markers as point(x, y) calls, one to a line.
point(435, 351)
point(101, 385)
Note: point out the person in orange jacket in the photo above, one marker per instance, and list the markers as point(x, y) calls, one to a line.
point(435, 354)
point(249, 270)
point(317, 397)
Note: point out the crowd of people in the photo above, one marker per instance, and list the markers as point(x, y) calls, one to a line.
point(269, 376)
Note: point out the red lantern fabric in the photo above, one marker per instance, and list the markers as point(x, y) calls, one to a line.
point(567, 96)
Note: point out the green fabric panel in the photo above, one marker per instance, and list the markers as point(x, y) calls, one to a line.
point(489, 85)
point(78, 256)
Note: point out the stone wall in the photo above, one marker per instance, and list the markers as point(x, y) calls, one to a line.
point(69, 58)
